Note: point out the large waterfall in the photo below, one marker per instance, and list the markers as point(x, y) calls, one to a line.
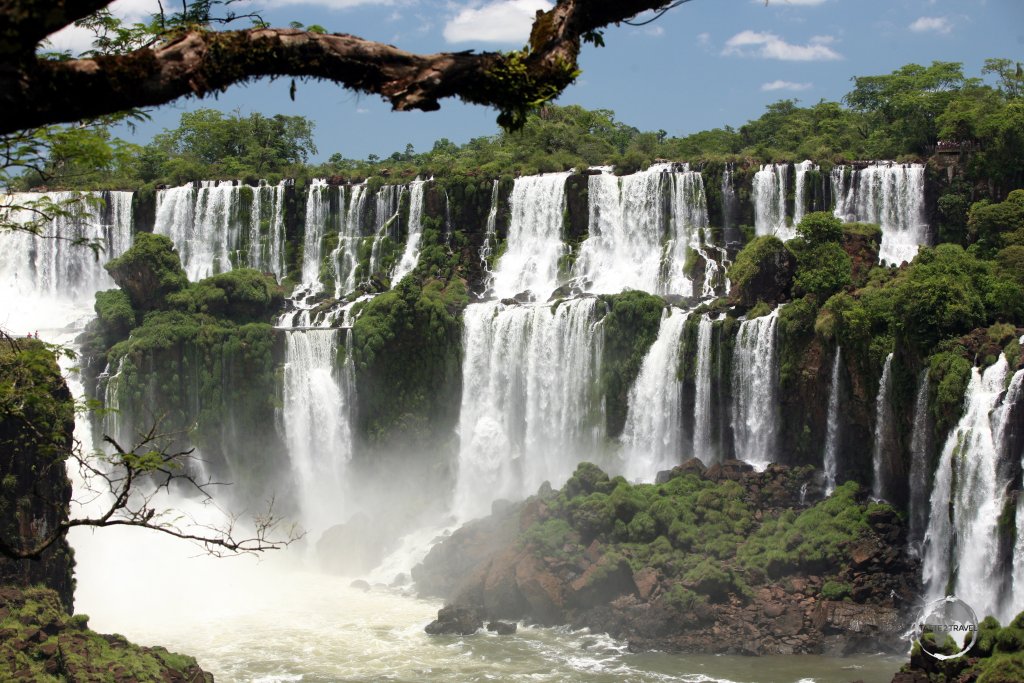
point(528, 410)
point(634, 243)
point(755, 409)
point(317, 404)
point(800, 192)
point(530, 262)
point(968, 498)
point(891, 195)
point(222, 225)
point(652, 434)
point(52, 264)
point(769, 197)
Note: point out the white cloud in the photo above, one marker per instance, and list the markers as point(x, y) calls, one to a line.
point(501, 21)
point(771, 46)
point(783, 3)
point(784, 85)
point(655, 30)
point(937, 24)
point(703, 39)
point(326, 4)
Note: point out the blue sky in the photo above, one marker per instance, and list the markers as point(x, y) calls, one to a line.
point(705, 64)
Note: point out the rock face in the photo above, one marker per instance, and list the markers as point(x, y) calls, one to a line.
point(553, 560)
point(35, 438)
point(456, 621)
point(39, 641)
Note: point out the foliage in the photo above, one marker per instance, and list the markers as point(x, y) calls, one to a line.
point(242, 295)
point(820, 227)
point(36, 408)
point(148, 272)
point(630, 327)
point(41, 642)
point(762, 269)
point(407, 350)
point(707, 538)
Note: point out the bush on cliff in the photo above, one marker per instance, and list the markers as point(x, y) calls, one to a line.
point(763, 271)
point(149, 271)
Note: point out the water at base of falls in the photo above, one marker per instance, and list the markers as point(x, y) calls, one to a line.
point(269, 620)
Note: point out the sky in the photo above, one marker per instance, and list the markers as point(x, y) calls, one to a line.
point(702, 65)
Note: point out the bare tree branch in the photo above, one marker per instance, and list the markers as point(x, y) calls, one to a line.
point(36, 91)
point(132, 480)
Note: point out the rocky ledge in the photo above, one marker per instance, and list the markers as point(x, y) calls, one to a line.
point(39, 641)
point(717, 560)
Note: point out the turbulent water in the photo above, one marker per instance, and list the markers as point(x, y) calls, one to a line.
point(891, 195)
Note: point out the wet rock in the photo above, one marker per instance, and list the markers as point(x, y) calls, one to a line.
point(502, 628)
point(359, 584)
point(455, 620)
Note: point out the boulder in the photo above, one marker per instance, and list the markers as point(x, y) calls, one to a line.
point(502, 628)
point(455, 620)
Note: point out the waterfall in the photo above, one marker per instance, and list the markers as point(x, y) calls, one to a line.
point(891, 195)
point(800, 196)
point(530, 261)
point(207, 226)
point(411, 255)
point(318, 210)
point(703, 446)
point(386, 217)
point(832, 434)
point(490, 239)
point(50, 265)
point(769, 197)
point(631, 245)
point(651, 436)
point(730, 204)
point(528, 412)
point(881, 453)
point(920, 447)
point(754, 377)
point(345, 256)
point(967, 499)
point(317, 404)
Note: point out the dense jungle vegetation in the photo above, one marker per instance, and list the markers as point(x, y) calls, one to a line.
point(902, 115)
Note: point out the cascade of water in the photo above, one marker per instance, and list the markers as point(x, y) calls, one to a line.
point(703, 446)
point(490, 239)
point(651, 436)
point(530, 261)
point(754, 378)
point(43, 266)
point(920, 447)
point(832, 433)
point(207, 226)
point(345, 256)
point(688, 227)
point(316, 416)
point(769, 197)
point(881, 452)
point(411, 255)
point(266, 229)
point(800, 196)
point(528, 414)
point(730, 204)
point(317, 214)
point(386, 216)
point(967, 500)
point(891, 195)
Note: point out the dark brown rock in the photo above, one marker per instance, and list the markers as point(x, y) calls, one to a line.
point(454, 620)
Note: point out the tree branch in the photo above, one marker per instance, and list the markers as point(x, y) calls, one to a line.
point(23, 23)
point(35, 92)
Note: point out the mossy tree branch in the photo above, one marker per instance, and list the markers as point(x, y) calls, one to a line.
point(36, 90)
